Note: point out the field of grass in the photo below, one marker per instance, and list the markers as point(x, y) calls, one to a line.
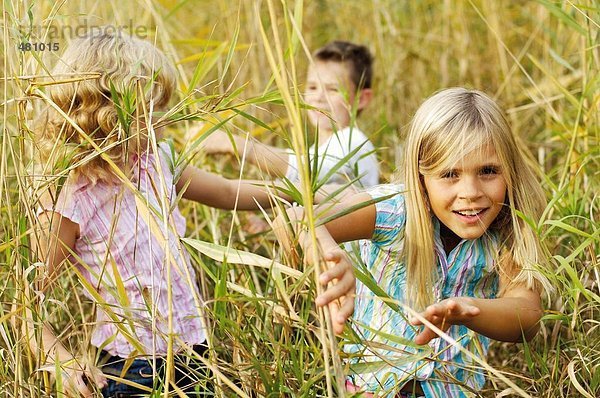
point(244, 61)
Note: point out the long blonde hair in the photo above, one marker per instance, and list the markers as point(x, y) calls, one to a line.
point(447, 127)
point(116, 73)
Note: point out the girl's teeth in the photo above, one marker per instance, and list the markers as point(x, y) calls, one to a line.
point(469, 212)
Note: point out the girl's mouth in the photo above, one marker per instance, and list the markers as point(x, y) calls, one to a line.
point(470, 215)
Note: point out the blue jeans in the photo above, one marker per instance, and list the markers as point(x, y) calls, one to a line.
point(188, 372)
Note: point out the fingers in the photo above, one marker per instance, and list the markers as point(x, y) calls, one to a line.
point(344, 284)
point(335, 255)
point(340, 272)
point(346, 310)
point(77, 380)
point(336, 322)
point(338, 328)
point(77, 385)
point(425, 336)
point(336, 272)
point(338, 266)
point(97, 377)
point(457, 309)
point(451, 310)
point(255, 225)
point(340, 294)
point(340, 314)
point(442, 315)
point(432, 313)
point(344, 287)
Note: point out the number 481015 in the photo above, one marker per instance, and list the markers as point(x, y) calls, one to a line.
point(27, 46)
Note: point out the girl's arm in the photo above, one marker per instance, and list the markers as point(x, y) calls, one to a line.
point(56, 238)
point(355, 225)
point(514, 317)
point(216, 191)
point(270, 159)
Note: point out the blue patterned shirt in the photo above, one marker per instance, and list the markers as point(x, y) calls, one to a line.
point(385, 356)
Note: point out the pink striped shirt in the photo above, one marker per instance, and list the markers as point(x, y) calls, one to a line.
point(119, 251)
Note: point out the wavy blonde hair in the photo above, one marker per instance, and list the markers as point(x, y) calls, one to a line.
point(447, 127)
point(119, 77)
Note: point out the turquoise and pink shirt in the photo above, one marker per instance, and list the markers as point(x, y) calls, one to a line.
point(384, 358)
point(120, 250)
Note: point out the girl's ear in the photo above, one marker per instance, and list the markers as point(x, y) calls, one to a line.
point(364, 98)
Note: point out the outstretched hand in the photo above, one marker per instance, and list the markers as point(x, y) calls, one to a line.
point(339, 295)
point(78, 378)
point(254, 224)
point(218, 142)
point(448, 312)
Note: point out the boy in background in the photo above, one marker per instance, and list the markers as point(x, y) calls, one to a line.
point(338, 84)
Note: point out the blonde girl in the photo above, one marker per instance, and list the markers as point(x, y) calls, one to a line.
point(114, 215)
point(449, 244)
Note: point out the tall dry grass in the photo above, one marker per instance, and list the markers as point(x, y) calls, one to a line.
point(243, 62)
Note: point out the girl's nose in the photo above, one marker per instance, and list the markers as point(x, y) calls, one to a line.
point(319, 95)
point(314, 96)
point(469, 188)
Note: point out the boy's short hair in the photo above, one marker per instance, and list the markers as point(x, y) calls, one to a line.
point(358, 57)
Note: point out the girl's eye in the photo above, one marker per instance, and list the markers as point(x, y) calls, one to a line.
point(449, 174)
point(489, 170)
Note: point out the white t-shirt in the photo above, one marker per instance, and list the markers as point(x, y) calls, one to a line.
point(362, 164)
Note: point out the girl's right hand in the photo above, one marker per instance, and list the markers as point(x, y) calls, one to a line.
point(340, 294)
point(78, 379)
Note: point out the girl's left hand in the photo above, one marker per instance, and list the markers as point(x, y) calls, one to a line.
point(451, 311)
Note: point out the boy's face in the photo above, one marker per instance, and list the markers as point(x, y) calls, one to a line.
point(329, 88)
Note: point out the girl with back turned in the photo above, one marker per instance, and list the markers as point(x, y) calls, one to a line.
point(115, 218)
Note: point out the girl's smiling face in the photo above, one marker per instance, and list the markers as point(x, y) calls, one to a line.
point(468, 197)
